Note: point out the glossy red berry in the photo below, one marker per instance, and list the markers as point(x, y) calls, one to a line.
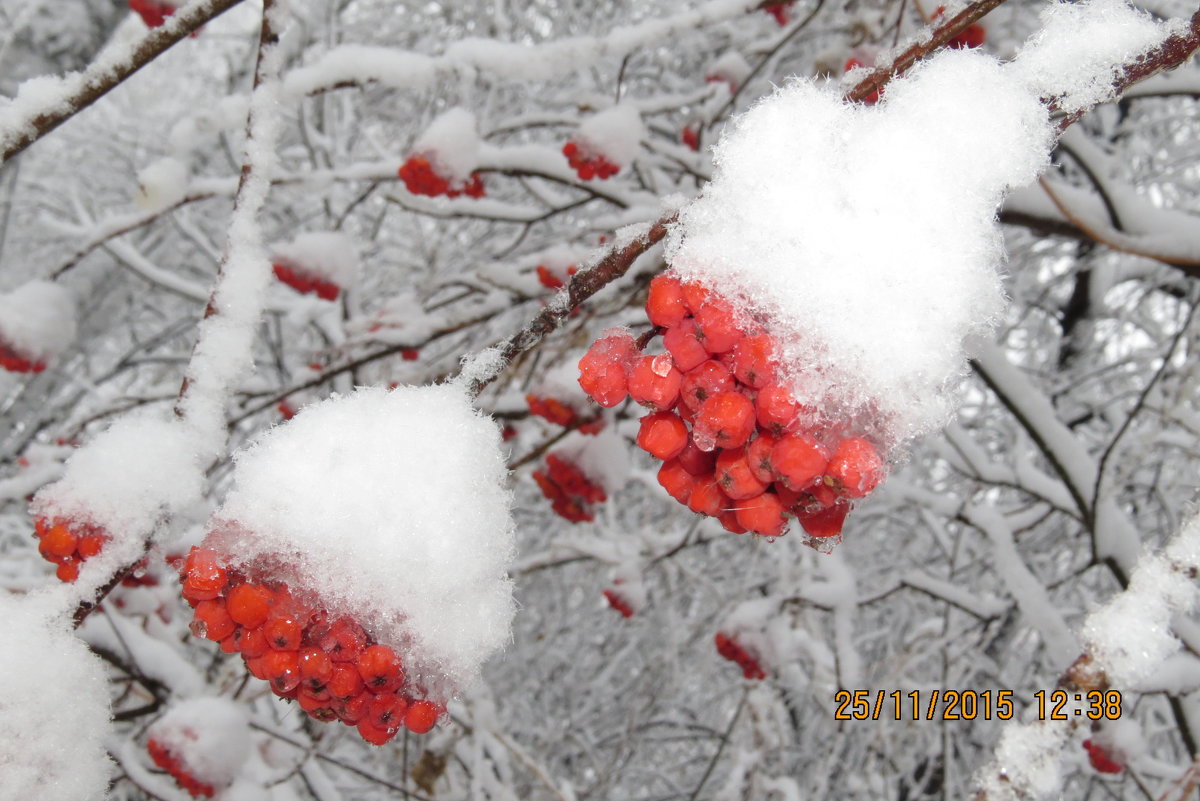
point(663, 435)
point(703, 381)
point(603, 369)
point(683, 343)
point(654, 382)
point(855, 468)
point(797, 460)
point(724, 420)
point(826, 522)
point(380, 669)
point(676, 480)
point(762, 514)
point(212, 621)
point(1101, 759)
point(249, 604)
point(422, 716)
point(664, 304)
point(736, 478)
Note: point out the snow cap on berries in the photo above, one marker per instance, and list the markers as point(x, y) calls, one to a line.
point(209, 737)
point(37, 319)
point(392, 507)
point(54, 711)
point(330, 255)
point(451, 142)
point(614, 133)
point(142, 469)
point(865, 237)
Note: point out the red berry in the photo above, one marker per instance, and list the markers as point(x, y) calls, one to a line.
point(718, 326)
point(855, 468)
point(316, 668)
point(776, 409)
point(824, 522)
point(387, 711)
point(343, 640)
point(736, 478)
point(344, 681)
point(618, 602)
point(421, 716)
point(251, 643)
point(676, 480)
point(282, 669)
point(317, 705)
point(1102, 761)
point(664, 304)
point(683, 343)
point(373, 734)
point(706, 497)
point(690, 137)
point(754, 360)
point(762, 514)
point(663, 435)
point(67, 572)
point(58, 543)
point(797, 460)
point(696, 461)
point(602, 370)
point(724, 420)
point(91, 544)
point(702, 382)
point(283, 632)
point(353, 709)
point(249, 604)
point(729, 521)
point(212, 621)
point(654, 382)
point(203, 575)
point(758, 456)
point(380, 669)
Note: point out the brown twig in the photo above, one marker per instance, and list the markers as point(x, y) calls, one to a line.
point(101, 78)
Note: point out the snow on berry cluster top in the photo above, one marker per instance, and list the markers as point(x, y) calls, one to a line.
point(866, 237)
point(54, 710)
point(615, 132)
point(391, 506)
point(323, 254)
point(37, 319)
point(210, 735)
point(452, 143)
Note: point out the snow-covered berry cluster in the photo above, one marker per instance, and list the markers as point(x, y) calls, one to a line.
point(174, 764)
point(329, 664)
point(550, 278)
point(587, 163)
point(735, 444)
point(422, 178)
point(570, 492)
point(304, 282)
point(736, 652)
point(67, 543)
point(153, 12)
point(15, 362)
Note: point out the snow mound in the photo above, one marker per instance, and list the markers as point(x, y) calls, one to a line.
point(127, 480)
point(616, 133)
point(37, 319)
point(392, 507)
point(322, 254)
point(452, 144)
point(865, 236)
point(54, 713)
point(162, 184)
point(210, 736)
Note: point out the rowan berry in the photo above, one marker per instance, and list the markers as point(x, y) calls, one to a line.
point(754, 360)
point(316, 669)
point(706, 497)
point(825, 522)
point(664, 304)
point(797, 460)
point(717, 322)
point(724, 420)
point(58, 543)
point(758, 456)
point(654, 382)
point(283, 632)
point(602, 370)
point(776, 410)
point(682, 341)
point(663, 435)
point(249, 604)
point(618, 602)
point(67, 572)
point(421, 716)
point(855, 468)
point(703, 381)
point(373, 734)
point(211, 620)
point(696, 461)
point(344, 681)
point(204, 577)
point(676, 480)
point(762, 514)
point(1101, 759)
point(380, 669)
point(282, 669)
point(318, 707)
point(736, 478)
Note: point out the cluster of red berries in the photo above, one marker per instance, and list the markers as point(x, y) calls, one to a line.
point(14, 362)
point(175, 765)
point(551, 281)
point(421, 178)
point(780, 11)
point(330, 665)
point(972, 36)
point(587, 164)
point(153, 12)
point(304, 282)
point(68, 543)
point(1102, 761)
point(570, 492)
point(618, 602)
point(731, 435)
point(734, 651)
point(559, 413)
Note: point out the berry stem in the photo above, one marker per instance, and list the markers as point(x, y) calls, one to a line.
point(582, 286)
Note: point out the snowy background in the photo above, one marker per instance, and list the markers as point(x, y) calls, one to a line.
point(246, 299)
